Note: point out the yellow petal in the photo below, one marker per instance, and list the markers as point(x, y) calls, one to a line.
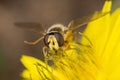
point(107, 6)
point(36, 67)
point(26, 74)
point(97, 31)
point(104, 34)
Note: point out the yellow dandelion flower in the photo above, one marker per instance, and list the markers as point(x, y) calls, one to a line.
point(99, 61)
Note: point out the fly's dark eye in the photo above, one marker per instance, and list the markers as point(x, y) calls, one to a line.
point(58, 37)
point(46, 40)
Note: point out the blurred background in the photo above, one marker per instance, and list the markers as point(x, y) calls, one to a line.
point(46, 12)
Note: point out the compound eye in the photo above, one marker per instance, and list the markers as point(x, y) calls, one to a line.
point(59, 38)
point(46, 40)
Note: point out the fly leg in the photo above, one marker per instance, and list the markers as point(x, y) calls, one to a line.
point(83, 35)
point(78, 39)
point(34, 42)
point(45, 53)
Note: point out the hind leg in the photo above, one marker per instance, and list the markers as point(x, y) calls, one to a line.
point(78, 37)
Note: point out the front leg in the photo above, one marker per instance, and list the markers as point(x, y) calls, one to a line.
point(45, 53)
point(34, 42)
point(48, 54)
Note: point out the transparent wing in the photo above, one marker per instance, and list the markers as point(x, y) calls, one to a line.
point(31, 26)
point(74, 24)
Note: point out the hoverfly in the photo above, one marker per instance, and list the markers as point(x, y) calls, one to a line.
point(57, 36)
